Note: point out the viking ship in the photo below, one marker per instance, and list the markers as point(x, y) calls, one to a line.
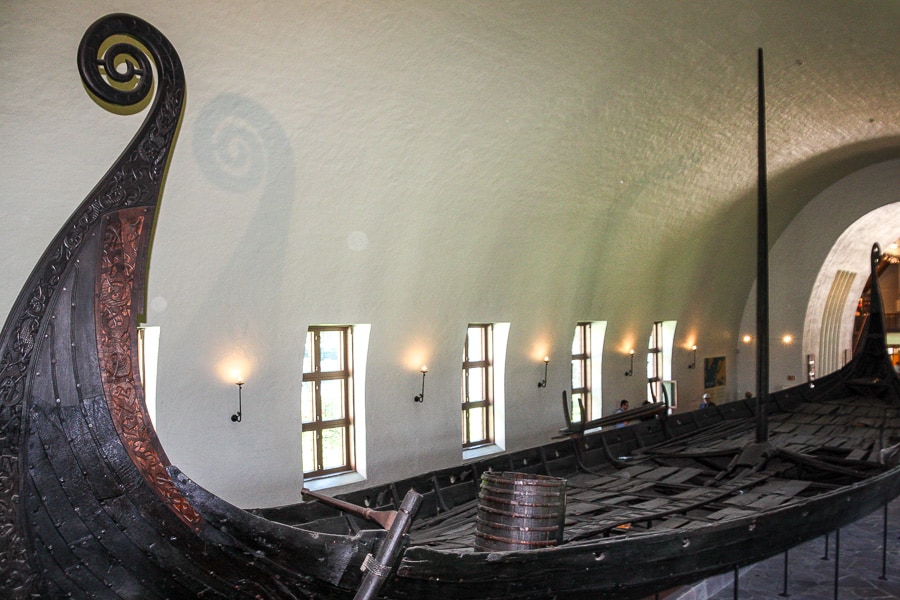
point(91, 507)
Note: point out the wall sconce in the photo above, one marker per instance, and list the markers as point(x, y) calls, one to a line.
point(421, 397)
point(236, 417)
point(630, 370)
point(747, 338)
point(787, 339)
point(693, 364)
point(543, 382)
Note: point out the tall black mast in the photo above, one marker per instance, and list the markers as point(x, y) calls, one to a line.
point(762, 271)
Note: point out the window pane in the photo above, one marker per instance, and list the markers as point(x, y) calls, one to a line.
point(577, 346)
point(333, 448)
point(576, 409)
point(577, 374)
point(477, 425)
point(476, 347)
point(476, 385)
point(307, 353)
point(309, 451)
point(331, 351)
point(307, 403)
point(332, 393)
point(325, 398)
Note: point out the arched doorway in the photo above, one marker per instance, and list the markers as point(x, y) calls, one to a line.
point(818, 267)
point(833, 311)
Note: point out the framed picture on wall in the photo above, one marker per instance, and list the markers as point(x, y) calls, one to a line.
point(713, 372)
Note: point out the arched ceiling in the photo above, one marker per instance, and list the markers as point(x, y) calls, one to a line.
point(596, 128)
point(420, 165)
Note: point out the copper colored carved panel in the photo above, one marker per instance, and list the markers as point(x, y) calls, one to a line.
point(117, 345)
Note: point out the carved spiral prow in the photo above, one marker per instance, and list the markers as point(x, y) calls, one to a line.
point(875, 259)
point(116, 59)
point(121, 73)
point(115, 67)
point(97, 69)
point(876, 323)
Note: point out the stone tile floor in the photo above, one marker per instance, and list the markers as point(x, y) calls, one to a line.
point(811, 576)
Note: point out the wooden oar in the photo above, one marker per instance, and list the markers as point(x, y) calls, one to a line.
point(385, 518)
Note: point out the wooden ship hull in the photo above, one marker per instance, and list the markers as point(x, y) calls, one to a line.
point(90, 506)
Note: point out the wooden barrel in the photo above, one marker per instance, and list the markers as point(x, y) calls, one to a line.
point(519, 511)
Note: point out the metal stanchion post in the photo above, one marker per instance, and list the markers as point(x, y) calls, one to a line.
point(784, 592)
point(884, 545)
point(837, 559)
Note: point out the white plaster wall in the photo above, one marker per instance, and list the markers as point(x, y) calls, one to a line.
point(419, 166)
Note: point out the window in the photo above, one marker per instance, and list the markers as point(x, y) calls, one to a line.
point(325, 407)
point(148, 360)
point(659, 360)
point(581, 373)
point(477, 387)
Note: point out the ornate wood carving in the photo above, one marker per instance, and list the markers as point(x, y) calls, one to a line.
point(123, 236)
point(134, 180)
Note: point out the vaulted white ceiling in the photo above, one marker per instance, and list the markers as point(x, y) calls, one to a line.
point(421, 165)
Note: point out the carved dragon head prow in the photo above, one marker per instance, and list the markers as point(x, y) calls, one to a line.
point(98, 258)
